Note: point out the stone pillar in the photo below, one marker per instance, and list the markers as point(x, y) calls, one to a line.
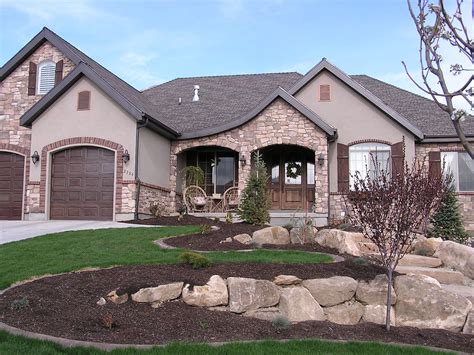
point(244, 170)
point(321, 182)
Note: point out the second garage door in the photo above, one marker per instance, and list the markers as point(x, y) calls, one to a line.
point(11, 185)
point(82, 184)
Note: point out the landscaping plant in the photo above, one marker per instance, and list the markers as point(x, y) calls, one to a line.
point(196, 260)
point(255, 199)
point(447, 221)
point(390, 208)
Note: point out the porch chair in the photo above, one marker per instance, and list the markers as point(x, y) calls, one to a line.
point(231, 199)
point(195, 199)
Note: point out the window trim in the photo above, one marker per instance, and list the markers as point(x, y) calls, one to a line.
point(39, 77)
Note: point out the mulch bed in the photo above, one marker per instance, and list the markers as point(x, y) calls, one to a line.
point(65, 306)
point(212, 241)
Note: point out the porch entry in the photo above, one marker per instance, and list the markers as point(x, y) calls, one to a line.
point(291, 171)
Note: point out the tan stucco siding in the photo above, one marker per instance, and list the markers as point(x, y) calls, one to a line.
point(154, 158)
point(105, 120)
point(354, 117)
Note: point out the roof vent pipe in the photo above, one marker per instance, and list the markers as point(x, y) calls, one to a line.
point(196, 93)
point(179, 101)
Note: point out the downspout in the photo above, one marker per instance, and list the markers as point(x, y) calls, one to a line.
point(140, 124)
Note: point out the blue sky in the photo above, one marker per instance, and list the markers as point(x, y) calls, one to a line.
point(147, 42)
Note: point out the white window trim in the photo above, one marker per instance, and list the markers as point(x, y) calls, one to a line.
point(39, 76)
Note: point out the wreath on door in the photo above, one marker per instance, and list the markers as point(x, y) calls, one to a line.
point(293, 170)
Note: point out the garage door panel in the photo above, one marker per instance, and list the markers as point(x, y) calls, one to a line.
point(11, 185)
point(85, 169)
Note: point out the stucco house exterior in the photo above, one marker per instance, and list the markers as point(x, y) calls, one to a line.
point(77, 142)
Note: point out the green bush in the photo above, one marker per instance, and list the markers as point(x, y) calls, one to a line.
point(360, 261)
point(255, 199)
point(197, 261)
point(205, 228)
point(19, 304)
point(447, 221)
point(281, 322)
point(288, 227)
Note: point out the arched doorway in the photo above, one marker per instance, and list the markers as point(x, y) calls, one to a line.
point(292, 176)
point(12, 171)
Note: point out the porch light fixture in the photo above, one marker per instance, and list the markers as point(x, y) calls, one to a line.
point(242, 159)
point(321, 159)
point(126, 156)
point(35, 157)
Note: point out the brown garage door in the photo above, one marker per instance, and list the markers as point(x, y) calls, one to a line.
point(82, 184)
point(11, 185)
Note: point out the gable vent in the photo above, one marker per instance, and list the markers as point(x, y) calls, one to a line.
point(84, 100)
point(46, 77)
point(324, 92)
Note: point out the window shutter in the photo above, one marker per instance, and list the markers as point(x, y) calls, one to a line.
point(342, 168)
point(84, 100)
point(324, 92)
point(397, 155)
point(59, 72)
point(32, 79)
point(434, 159)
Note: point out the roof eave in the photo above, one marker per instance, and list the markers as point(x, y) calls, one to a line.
point(445, 139)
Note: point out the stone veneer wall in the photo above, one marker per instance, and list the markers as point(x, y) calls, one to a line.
point(279, 123)
point(336, 207)
point(14, 102)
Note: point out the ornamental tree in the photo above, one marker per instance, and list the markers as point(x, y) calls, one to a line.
point(391, 209)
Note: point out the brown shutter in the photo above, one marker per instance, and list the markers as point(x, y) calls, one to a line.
point(84, 100)
point(397, 156)
point(59, 72)
point(434, 164)
point(342, 168)
point(324, 92)
point(32, 79)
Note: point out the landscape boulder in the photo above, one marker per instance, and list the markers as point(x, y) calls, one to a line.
point(161, 293)
point(376, 313)
point(302, 235)
point(423, 303)
point(469, 325)
point(297, 305)
point(117, 299)
point(344, 242)
point(212, 294)
point(331, 291)
point(243, 238)
point(249, 294)
point(268, 314)
point(419, 260)
point(457, 256)
point(285, 280)
point(374, 291)
point(347, 313)
point(426, 246)
point(271, 235)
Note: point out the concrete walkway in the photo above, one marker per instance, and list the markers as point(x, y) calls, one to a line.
point(11, 231)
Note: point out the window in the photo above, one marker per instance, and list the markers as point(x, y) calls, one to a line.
point(461, 166)
point(363, 157)
point(46, 77)
point(324, 92)
point(84, 100)
point(219, 169)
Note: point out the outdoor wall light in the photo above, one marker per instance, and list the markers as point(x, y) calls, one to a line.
point(242, 159)
point(35, 157)
point(321, 159)
point(126, 156)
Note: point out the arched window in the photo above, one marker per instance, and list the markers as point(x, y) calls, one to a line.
point(46, 77)
point(366, 157)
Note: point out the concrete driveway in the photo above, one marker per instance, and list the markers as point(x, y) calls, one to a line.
point(11, 231)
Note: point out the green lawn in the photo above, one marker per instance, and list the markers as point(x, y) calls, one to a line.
point(62, 252)
point(10, 344)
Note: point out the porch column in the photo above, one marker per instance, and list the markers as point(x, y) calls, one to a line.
point(321, 180)
point(173, 178)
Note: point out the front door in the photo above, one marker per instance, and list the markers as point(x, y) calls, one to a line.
point(294, 181)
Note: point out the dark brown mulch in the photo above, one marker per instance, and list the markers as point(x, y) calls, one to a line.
point(173, 221)
point(65, 306)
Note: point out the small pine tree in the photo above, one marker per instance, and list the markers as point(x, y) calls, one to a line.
point(255, 199)
point(447, 221)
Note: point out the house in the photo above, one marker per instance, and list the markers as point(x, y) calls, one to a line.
point(77, 142)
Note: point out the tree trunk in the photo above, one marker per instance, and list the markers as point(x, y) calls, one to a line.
point(389, 297)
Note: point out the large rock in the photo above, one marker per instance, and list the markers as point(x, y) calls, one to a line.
point(269, 313)
point(331, 291)
point(117, 299)
point(271, 235)
point(374, 291)
point(419, 260)
point(376, 313)
point(346, 313)
point(423, 303)
point(461, 290)
point(161, 293)
point(302, 235)
point(286, 280)
point(469, 325)
point(212, 294)
point(426, 246)
point(250, 294)
point(458, 256)
point(444, 276)
point(344, 242)
point(243, 238)
point(297, 304)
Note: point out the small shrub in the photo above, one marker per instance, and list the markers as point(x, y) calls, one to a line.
point(288, 227)
point(157, 209)
point(107, 321)
point(229, 218)
point(19, 304)
point(181, 210)
point(180, 217)
point(216, 219)
point(197, 261)
point(203, 325)
point(205, 228)
point(255, 245)
point(360, 261)
point(281, 322)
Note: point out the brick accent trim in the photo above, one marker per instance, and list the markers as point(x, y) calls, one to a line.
point(369, 141)
point(83, 141)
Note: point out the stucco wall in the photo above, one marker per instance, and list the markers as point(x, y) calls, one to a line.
point(154, 158)
point(354, 117)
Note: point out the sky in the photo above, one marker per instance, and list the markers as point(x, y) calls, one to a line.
point(147, 42)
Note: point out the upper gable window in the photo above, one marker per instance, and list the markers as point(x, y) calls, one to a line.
point(324, 92)
point(46, 77)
